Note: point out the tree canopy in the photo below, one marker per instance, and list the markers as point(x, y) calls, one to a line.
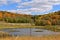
point(40, 20)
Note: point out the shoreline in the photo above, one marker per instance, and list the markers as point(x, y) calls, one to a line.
point(44, 37)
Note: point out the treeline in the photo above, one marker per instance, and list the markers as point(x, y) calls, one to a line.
point(48, 19)
point(14, 17)
point(40, 20)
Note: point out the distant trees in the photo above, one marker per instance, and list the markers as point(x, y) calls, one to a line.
point(14, 18)
point(48, 19)
point(39, 20)
point(18, 20)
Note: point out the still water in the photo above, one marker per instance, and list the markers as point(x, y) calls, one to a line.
point(28, 32)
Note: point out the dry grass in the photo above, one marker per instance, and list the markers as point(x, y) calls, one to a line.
point(53, 37)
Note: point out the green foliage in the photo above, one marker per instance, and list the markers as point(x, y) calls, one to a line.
point(40, 20)
point(48, 19)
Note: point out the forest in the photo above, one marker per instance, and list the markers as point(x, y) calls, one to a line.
point(52, 18)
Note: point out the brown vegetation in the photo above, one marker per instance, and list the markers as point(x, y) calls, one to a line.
point(40, 20)
point(53, 37)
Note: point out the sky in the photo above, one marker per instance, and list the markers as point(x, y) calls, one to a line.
point(34, 7)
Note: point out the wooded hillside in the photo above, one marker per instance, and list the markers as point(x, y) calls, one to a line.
point(40, 20)
point(49, 19)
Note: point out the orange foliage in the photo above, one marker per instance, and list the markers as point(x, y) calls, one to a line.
point(0, 15)
point(7, 14)
point(49, 23)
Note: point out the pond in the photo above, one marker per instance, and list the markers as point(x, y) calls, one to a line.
point(28, 31)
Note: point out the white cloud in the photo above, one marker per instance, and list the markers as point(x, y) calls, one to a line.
point(40, 5)
point(36, 5)
point(15, 1)
point(14, 11)
point(3, 2)
point(54, 2)
point(19, 11)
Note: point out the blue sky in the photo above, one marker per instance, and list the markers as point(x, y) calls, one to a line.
point(56, 8)
point(33, 7)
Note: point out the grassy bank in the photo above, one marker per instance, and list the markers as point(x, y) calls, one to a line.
point(4, 34)
point(16, 25)
point(51, 37)
point(27, 25)
point(55, 28)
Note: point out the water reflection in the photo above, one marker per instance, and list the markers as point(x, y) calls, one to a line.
point(28, 31)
